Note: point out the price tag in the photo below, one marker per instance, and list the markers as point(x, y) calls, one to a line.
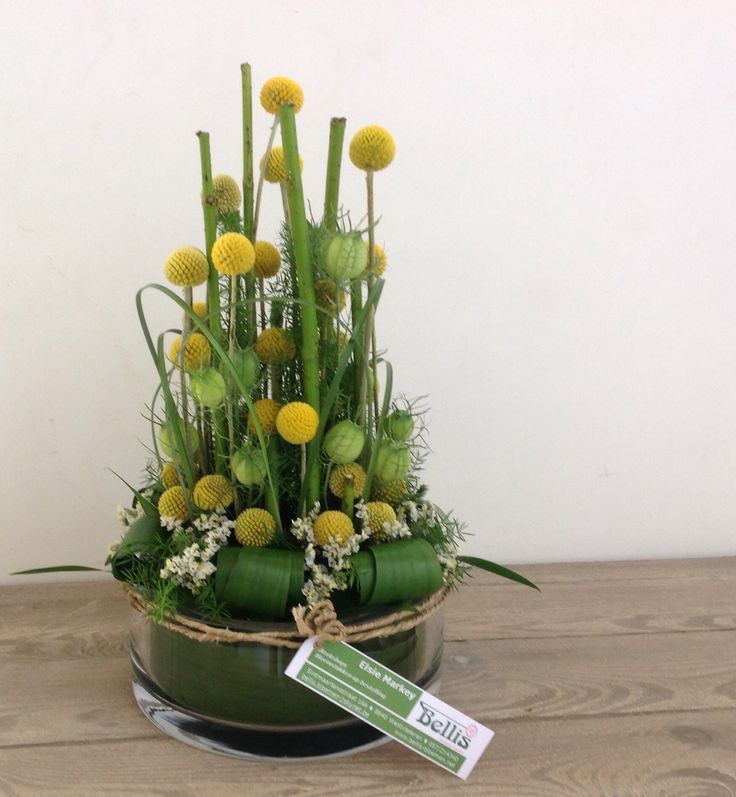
point(391, 704)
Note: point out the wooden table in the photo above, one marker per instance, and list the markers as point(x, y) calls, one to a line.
point(619, 679)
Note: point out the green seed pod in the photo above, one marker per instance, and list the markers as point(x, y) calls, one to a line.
point(247, 365)
point(208, 387)
point(167, 440)
point(392, 461)
point(400, 425)
point(249, 465)
point(344, 442)
point(345, 257)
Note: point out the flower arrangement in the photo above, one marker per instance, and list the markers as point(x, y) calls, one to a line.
point(284, 470)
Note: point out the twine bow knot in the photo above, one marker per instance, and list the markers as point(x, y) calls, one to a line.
point(321, 620)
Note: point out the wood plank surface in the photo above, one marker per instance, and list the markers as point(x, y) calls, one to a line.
point(619, 679)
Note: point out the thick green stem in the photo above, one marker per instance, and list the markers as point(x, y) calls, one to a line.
point(348, 496)
point(332, 186)
point(305, 284)
point(248, 330)
point(356, 307)
point(368, 330)
point(185, 329)
point(213, 287)
point(247, 150)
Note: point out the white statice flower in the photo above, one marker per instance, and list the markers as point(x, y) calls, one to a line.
point(171, 523)
point(303, 528)
point(125, 515)
point(322, 584)
point(112, 548)
point(395, 530)
point(192, 567)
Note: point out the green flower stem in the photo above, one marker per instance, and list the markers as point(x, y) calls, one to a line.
point(332, 185)
point(185, 329)
point(247, 91)
point(368, 330)
point(230, 387)
point(213, 287)
point(348, 497)
point(247, 330)
point(262, 176)
point(305, 284)
point(356, 307)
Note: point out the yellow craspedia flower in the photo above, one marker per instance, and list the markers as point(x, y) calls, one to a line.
point(379, 259)
point(339, 474)
point(196, 352)
point(200, 308)
point(233, 253)
point(332, 526)
point(379, 513)
point(254, 527)
point(297, 422)
point(274, 169)
point(266, 411)
point(281, 91)
point(213, 492)
point(173, 503)
point(372, 148)
point(169, 476)
point(268, 260)
point(274, 346)
point(328, 296)
point(226, 193)
point(186, 267)
point(391, 492)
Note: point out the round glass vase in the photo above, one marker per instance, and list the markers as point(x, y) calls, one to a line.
point(234, 698)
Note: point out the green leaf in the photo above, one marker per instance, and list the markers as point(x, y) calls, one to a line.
point(499, 570)
point(142, 537)
point(148, 507)
point(395, 572)
point(57, 569)
point(259, 582)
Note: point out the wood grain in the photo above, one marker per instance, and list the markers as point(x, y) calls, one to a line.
point(679, 754)
point(620, 679)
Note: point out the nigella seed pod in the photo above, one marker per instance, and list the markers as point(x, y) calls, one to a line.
point(392, 461)
point(345, 256)
point(247, 365)
point(249, 465)
point(400, 425)
point(168, 443)
point(344, 442)
point(207, 386)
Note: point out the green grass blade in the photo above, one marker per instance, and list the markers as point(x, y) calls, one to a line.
point(58, 569)
point(499, 570)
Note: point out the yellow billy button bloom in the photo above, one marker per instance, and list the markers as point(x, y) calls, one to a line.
point(196, 352)
point(169, 476)
point(341, 472)
point(379, 513)
point(332, 526)
point(268, 260)
point(233, 253)
point(297, 422)
point(266, 411)
point(254, 527)
point(173, 503)
point(274, 170)
point(281, 91)
point(226, 193)
point(379, 260)
point(372, 148)
point(186, 267)
point(213, 492)
point(274, 346)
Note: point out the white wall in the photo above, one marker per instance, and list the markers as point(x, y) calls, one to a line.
point(559, 221)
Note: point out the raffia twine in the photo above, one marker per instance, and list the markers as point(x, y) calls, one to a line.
point(320, 621)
